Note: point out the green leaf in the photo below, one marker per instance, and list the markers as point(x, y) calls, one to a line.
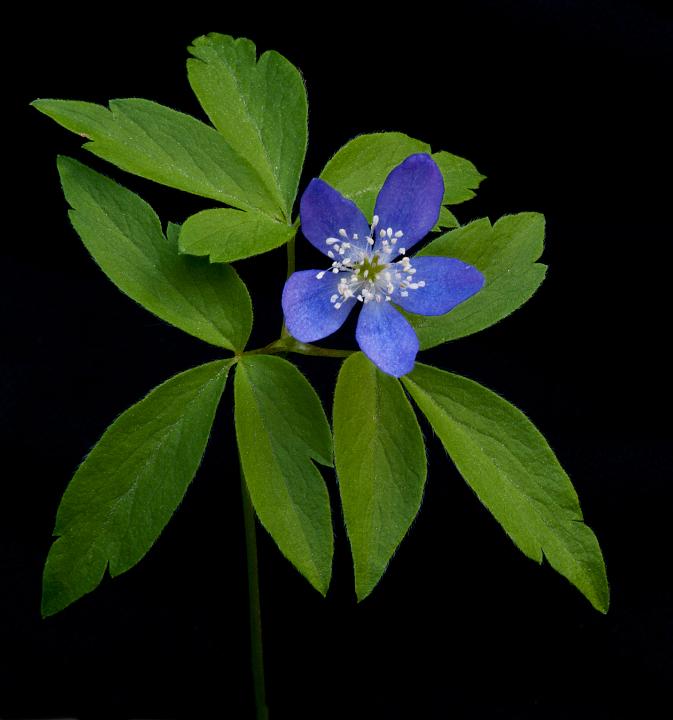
point(461, 177)
point(281, 427)
point(155, 142)
point(126, 490)
point(446, 219)
point(513, 471)
point(505, 253)
point(227, 235)
point(124, 236)
point(360, 167)
point(259, 107)
point(381, 465)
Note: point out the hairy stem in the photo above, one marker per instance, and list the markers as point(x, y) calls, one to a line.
point(256, 654)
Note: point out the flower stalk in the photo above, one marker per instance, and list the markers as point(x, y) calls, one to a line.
point(256, 648)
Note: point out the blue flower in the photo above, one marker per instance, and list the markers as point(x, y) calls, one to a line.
point(370, 265)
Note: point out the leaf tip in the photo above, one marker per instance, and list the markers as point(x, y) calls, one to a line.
point(52, 602)
point(363, 589)
point(40, 104)
point(602, 601)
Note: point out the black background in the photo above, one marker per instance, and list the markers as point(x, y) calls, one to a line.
point(562, 106)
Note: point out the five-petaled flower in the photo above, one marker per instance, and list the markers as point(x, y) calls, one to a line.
point(370, 265)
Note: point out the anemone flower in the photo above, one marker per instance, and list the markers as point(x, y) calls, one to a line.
point(370, 265)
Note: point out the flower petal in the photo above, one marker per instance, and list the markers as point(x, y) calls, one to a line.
point(386, 338)
point(324, 211)
point(410, 200)
point(309, 314)
point(448, 282)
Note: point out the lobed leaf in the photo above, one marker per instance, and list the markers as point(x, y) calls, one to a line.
point(381, 465)
point(446, 219)
point(461, 177)
point(124, 236)
point(130, 484)
point(258, 106)
point(505, 253)
point(226, 235)
point(169, 147)
point(281, 428)
point(514, 472)
point(359, 169)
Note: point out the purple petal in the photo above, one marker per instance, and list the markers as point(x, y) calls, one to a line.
point(309, 314)
point(448, 282)
point(410, 200)
point(386, 338)
point(324, 211)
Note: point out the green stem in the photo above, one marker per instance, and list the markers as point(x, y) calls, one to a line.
point(286, 343)
point(290, 269)
point(256, 653)
point(289, 344)
point(290, 255)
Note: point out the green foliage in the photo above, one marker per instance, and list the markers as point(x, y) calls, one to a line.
point(460, 177)
point(381, 465)
point(126, 490)
point(123, 234)
point(259, 107)
point(227, 235)
point(446, 219)
point(505, 253)
point(513, 471)
point(359, 169)
point(169, 147)
point(133, 480)
point(281, 427)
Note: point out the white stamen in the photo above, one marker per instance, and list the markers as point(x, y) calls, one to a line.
point(369, 275)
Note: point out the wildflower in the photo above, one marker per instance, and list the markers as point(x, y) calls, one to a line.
point(370, 265)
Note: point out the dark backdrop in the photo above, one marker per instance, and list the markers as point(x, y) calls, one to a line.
point(561, 105)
